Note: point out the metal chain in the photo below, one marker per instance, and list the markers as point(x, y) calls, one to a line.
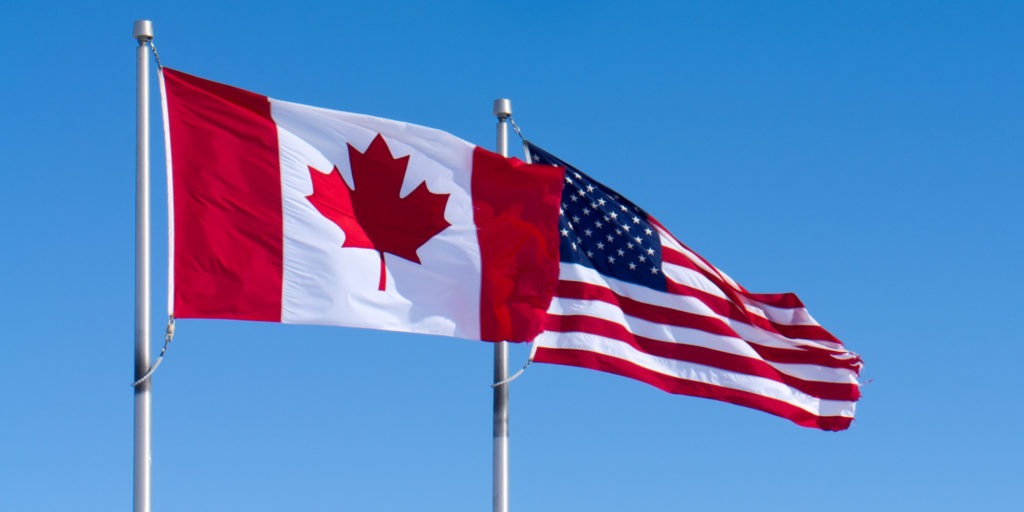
point(168, 337)
point(156, 56)
point(533, 351)
point(515, 128)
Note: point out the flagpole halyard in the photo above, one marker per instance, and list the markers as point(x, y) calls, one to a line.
point(503, 111)
point(142, 496)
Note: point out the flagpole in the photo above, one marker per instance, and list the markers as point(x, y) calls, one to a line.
point(502, 110)
point(143, 32)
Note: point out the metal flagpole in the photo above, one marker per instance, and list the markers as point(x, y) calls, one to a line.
point(143, 32)
point(502, 110)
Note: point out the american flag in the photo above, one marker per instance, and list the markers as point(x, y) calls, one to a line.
point(634, 301)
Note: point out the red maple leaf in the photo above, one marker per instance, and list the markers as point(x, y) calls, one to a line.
point(373, 215)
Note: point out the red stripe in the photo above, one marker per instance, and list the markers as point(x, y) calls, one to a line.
point(779, 300)
point(515, 209)
point(670, 316)
point(228, 229)
point(727, 308)
point(649, 312)
point(608, 364)
point(701, 355)
point(732, 308)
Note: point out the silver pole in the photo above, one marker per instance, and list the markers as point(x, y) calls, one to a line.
point(143, 32)
point(502, 110)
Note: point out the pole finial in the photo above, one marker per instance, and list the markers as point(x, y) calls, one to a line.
point(143, 30)
point(502, 108)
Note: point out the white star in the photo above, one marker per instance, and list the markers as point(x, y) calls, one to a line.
point(626, 227)
point(587, 232)
point(568, 179)
point(582, 193)
point(622, 207)
point(601, 201)
point(600, 245)
point(598, 224)
point(654, 270)
point(636, 220)
point(630, 245)
point(590, 188)
point(610, 238)
point(648, 231)
point(586, 211)
point(565, 232)
point(590, 254)
point(642, 258)
point(577, 175)
point(613, 215)
point(638, 239)
point(611, 259)
point(650, 251)
point(574, 246)
point(632, 266)
point(575, 218)
point(574, 198)
point(621, 252)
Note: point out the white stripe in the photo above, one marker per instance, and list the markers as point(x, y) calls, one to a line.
point(580, 273)
point(695, 338)
point(693, 279)
point(783, 316)
point(697, 373)
point(668, 240)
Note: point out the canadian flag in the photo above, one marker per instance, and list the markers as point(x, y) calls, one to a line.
point(289, 213)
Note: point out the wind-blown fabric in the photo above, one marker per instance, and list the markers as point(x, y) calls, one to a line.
point(634, 301)
point(283, 212)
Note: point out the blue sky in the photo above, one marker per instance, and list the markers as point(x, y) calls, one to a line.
point(865, 155)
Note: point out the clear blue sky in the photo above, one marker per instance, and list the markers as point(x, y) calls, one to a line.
point(865, 155)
